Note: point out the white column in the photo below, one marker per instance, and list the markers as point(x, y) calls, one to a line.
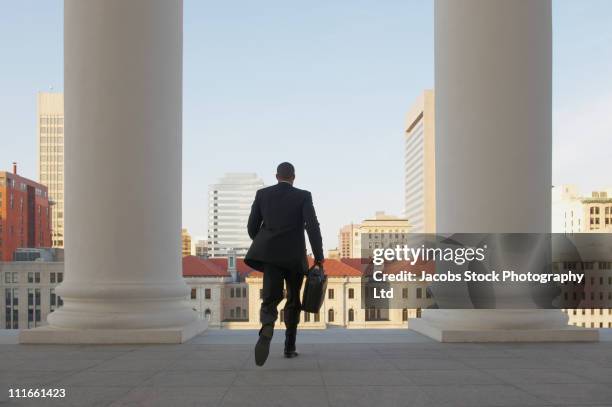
point(493, 83)
point(123, 95)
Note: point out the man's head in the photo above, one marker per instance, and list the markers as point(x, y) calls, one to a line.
point(285, 172)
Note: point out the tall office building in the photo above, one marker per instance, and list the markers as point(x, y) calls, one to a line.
point(185, 243)
point(51, 157)
point(419, 167)
point(229, 205)
point(200, 247)
point(349, 241)
point(24, 214)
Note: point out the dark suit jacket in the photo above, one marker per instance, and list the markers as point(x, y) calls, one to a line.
point(279, 215)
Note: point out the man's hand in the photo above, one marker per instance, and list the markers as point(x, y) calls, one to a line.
point(320, 262)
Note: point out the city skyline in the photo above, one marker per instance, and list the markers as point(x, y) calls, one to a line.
point(237, 89)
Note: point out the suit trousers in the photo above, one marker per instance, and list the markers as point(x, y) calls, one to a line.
point(272, 295)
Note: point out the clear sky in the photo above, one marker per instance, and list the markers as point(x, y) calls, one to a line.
point(323, 84)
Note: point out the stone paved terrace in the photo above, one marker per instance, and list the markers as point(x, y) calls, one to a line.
point(336, 367)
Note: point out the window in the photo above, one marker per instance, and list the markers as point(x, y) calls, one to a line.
point(237, 292)
point(405, 315)
point(330, 315)
point(351, 293)
point(12, 308)
point(351, 315)
point(244, 292)
point(207, 315)
point(52, 278)
point(317, 317)
point(261, 293)
point(52, 299)
point(60, 277)
point(419, 292)
point(33, 307)
point(193, 293)
point(207, 293)
point(404, 292)
point(330, 293)
point(306, 316)
point(376, 314)
point(232, 293)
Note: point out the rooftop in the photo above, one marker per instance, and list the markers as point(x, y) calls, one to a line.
point(336, 367)
point(217, 267)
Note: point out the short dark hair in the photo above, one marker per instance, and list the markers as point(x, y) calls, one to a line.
point(285, 170)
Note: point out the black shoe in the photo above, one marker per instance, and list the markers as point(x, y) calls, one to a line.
point(262, 348)
point(290, 336)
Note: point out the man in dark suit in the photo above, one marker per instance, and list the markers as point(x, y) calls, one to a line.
point(279, 215)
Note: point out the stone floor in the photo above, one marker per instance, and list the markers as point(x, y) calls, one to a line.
point(335, 368)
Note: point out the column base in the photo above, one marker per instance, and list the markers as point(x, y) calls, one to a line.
point(54, 335)
point(452, 334)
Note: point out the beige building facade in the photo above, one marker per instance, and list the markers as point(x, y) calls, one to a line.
point(185, 243)
point(381, 230)
point(595, 298)
point(50, 136)
point(419, 165)
point(341, 308)
point(333, 254)
point(342, 305)
point(573, 212)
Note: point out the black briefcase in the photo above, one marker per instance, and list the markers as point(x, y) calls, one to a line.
point(314, 290)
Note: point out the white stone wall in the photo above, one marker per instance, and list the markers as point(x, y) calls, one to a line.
point(214, 304)
point(45, 285)
point(339, 305)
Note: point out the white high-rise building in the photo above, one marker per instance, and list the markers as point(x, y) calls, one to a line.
point(419, 165)
point(50, 128)
point(229, 205)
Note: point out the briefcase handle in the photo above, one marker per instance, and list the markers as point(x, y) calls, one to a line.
point(315, 266)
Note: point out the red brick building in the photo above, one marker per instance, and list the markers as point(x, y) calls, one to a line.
point(25, 214)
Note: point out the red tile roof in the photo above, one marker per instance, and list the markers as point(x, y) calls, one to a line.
point(367, 268)
point(336, 268)
point(217, 267)
point(332, 267)
point(397, 266)
point(360, 264)
point(196, 267)
point(243, 269)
